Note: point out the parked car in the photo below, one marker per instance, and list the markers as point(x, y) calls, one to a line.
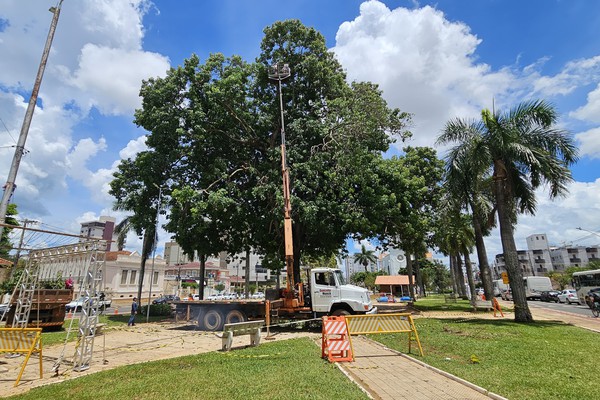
point(77, 304)
point(3, 310)
point(550, 295)
point(165, 299)
point(568, 296)
point(258, 295)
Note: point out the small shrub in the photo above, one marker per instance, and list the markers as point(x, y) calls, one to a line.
point(156, 310)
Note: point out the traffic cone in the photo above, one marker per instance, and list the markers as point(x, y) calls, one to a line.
point(116, 311)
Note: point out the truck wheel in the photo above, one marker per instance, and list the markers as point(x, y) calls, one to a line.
point(340, 312)
point(235, 316)
point(213, 320)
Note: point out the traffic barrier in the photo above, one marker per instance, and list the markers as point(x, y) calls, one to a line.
point(22, 341)
point(497, 307)
point(335, 340)
point(383, 323)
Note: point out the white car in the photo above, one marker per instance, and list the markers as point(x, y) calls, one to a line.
point(76, 305)
point(568, 296)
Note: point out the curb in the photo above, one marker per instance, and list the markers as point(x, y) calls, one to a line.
point(455, 378)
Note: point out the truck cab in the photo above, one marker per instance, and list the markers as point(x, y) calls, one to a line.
point(331, 295)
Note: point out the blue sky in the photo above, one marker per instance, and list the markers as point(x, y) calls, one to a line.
point(437, 60)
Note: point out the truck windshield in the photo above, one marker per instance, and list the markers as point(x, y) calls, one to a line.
point(340, 277)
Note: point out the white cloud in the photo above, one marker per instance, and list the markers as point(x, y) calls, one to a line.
point(589, 143)
point(558, 218)
point(96, 60)
point(424, 64)
point(591, 110)
point(133, 148)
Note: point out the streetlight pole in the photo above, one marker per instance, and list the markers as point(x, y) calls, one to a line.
point(154, 252)
point(10, 186)
point(592, 232)
point(280, 72)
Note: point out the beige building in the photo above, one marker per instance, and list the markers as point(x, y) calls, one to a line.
point(122, 276)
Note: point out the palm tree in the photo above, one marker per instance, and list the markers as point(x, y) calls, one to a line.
point(365, 257)
point(524, 150)
point(466, 186)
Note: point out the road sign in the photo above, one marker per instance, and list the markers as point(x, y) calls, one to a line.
point(505, 278)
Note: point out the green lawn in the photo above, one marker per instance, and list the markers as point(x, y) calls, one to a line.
point(542, 360)
point(291, 369)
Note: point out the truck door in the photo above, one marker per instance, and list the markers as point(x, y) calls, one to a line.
point(324, 291)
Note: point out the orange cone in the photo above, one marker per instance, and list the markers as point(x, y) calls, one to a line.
point(116, 311)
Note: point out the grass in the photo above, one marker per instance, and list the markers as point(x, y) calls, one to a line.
point(291, 369)
point(541, 360)
point(437, 302)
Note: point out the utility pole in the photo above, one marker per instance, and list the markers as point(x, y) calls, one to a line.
point(18, 255)
point(9, 187)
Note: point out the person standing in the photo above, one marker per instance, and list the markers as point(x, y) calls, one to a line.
point(134, 310)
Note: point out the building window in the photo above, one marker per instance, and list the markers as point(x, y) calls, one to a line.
point(155, 278)
point(133, 276)
point(124, 277)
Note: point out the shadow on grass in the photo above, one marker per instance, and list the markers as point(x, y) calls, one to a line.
point(503, 322)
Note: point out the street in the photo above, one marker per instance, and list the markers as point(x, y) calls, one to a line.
point(582, 310)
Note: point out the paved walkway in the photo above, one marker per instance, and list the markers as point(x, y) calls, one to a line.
point(386, 374)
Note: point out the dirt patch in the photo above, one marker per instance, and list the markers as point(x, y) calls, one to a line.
point(118, 346)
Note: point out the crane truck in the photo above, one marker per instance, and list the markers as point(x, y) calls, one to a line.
point(326, 292)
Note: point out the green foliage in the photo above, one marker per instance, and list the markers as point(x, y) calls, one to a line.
point(156, 310)
point(8, 286)
point(522, 149)
point(219, 287)
point(215, 146)
point(189, 285)
point(365, 257)
point(365, 278)
point(5, 244)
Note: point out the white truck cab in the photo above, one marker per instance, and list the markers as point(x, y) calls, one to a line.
point(331, 295)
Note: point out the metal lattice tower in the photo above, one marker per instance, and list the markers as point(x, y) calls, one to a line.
point(26, 290)
point(90, 287)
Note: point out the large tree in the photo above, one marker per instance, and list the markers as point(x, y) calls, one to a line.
point(524, 149)
point(215, 127)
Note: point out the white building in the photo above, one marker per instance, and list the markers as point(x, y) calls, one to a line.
point(539, 259)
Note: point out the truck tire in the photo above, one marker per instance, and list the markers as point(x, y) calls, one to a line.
point(213, 320)
point(340, 312)
point(234, 316)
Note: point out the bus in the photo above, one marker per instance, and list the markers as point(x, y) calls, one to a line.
point(584, 281)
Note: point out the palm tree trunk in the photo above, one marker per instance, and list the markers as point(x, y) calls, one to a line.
point(469, 270)
point(484, 267)
point(453, 274)
point(515, 275)
point(461, 278)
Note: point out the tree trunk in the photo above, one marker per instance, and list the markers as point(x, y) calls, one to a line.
point(461, 278)
point(469, 270)
point(453, 274)
point(484, 267)
point(147, 243)
point(202, 274)
point(511, 259)
point(247, 275)
point(409, 271)
point(419, 279)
